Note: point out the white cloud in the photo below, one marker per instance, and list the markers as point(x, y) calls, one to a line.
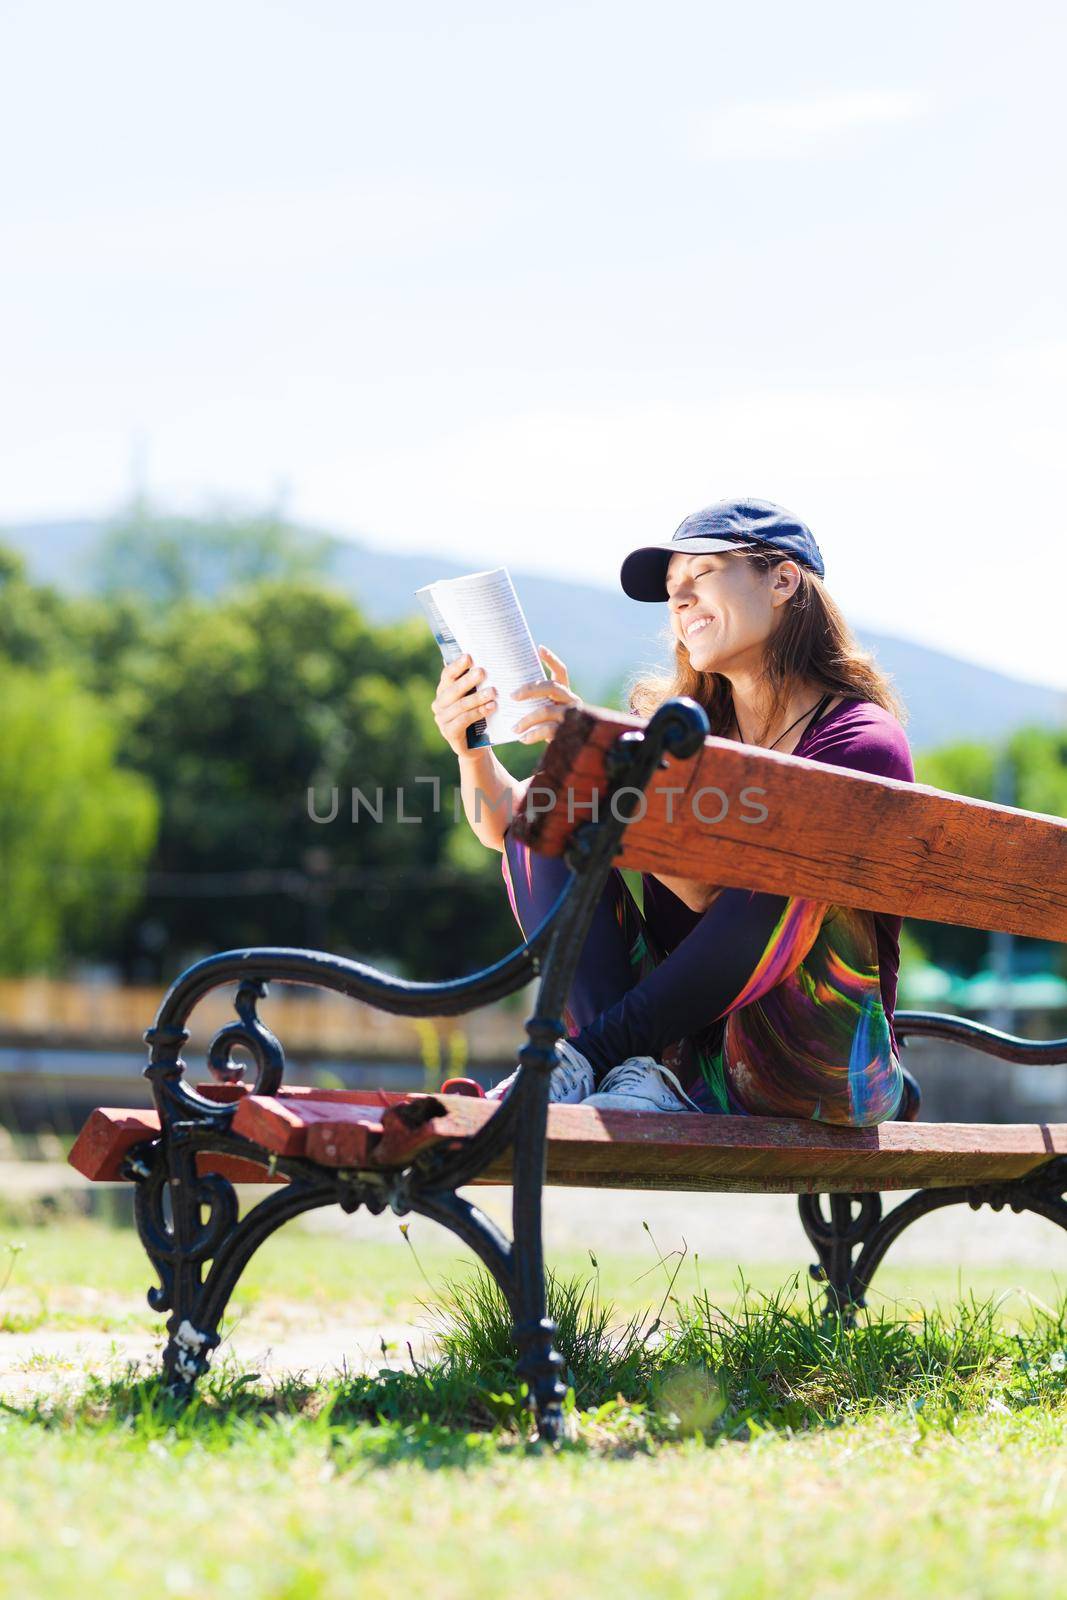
point(788, 129)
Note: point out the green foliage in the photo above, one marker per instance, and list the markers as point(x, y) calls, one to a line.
point(1039, 759)
point(244, 706)
point(1034, 763)
point(960, 769)
point(68, 814)
point(33, 620)
point(473, 1326)
point(767, 1363)
point(1029, 772)
point(233, 709)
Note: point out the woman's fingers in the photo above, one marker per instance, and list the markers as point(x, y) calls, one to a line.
point(554, 664)
point(475, 706)
point(463, 697)
point(544, 720)
point(448, 692)
point(540, 723)
point(546, 689)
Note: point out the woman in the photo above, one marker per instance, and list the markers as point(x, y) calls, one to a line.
point(689, 997)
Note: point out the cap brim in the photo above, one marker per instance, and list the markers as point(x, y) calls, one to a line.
point(643, 574)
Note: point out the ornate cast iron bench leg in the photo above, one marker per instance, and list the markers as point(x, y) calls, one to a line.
point(856, 1223)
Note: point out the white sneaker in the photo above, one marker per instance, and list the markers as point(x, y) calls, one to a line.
point(640, 1084)
point(570, 1082)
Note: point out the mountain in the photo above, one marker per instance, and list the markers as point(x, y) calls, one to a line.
point(601, 634)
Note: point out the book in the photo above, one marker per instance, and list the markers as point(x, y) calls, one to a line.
point(479, 615)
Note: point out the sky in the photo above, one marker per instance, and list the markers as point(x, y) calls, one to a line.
point(530, 284)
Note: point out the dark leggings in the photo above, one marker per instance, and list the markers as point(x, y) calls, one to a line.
point(657, 979)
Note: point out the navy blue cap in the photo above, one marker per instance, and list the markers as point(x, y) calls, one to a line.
point(727, 525)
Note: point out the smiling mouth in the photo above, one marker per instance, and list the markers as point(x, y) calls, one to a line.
point(697, 626)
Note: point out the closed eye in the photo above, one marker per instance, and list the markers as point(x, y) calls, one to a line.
point(703, 573)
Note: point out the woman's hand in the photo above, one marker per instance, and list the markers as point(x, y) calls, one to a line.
point(455, 707)
point(543, 723)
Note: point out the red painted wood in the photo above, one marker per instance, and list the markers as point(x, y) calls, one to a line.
point(405, 1135)
point(345, 1138)
point(107, 1137)
point(236, 1170)
point(111, 1133)
point(335, 1132)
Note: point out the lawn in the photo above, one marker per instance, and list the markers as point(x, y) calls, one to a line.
point(723, 1443)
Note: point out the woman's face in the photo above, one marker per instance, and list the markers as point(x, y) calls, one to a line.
point(723, 609)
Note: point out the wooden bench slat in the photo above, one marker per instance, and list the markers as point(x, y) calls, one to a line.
point(403, 1138)
point(613, 1149)
point(830, 834)
point(345, 1141)
point(107, 1137)
point(290, 1127)
point(111, 1133)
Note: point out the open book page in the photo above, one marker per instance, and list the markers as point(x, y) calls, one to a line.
point(481, 615)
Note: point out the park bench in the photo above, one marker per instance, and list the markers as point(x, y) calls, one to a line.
point(608, 789)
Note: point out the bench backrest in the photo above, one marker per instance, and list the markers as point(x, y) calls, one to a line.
point(755, 819)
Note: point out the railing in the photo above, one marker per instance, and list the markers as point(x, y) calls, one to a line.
point(55, 1012)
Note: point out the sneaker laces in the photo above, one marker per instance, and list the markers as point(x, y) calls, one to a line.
point(629, 1076)
point(571, 1072)
point(567, 1076)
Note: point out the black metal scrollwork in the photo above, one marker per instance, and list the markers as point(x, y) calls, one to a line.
point(204, 1235)
point(837, 1233)
point(251, 1034)
point(856, 1223)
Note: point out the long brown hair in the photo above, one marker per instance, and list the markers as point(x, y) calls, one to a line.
point(812, 642)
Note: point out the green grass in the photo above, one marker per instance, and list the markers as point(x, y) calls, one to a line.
point(723, 1442)
point(750, 1452)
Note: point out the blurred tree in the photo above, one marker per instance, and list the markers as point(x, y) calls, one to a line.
point(238, 710)
point(75, 829)
point(34, 621)
point(1037, 759)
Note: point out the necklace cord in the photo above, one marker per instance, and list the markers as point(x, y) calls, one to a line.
point(811, 711)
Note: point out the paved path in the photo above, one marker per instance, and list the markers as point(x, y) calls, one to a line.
point(718, 1226)
point(44, 1362)
point(751, 1227)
